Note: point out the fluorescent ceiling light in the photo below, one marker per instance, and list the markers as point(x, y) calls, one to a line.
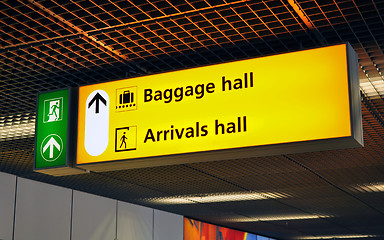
point(301, 14)
point(281, 218)
point(368, 187)
point(170, 201)
point(16, 127)
point(232, 197)
point(338, 237)
point(373, 87)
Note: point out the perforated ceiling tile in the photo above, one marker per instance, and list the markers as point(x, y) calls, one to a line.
point(47, 45)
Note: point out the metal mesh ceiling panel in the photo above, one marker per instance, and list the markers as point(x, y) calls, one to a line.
point(48, 44)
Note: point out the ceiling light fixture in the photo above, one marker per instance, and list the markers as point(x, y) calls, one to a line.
point(338, 237)
point(281, 218)
point(232, 197)
point(368, 187)
point(301, 14)
point(16, 127)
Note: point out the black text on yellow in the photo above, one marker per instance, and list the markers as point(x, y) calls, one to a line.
point(178, 93)
point(231, 127)
point(238, 83)
point(176, 133)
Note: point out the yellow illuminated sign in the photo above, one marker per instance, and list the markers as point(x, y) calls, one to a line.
point(193, 114)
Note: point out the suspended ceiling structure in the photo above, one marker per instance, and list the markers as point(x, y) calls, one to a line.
point(48, 44)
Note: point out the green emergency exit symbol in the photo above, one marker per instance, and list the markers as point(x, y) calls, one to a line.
point(52, 129)
point(53, 110)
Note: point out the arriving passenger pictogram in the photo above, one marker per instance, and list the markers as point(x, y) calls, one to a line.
point(126, 138)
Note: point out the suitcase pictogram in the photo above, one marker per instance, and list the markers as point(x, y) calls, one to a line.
point(126, 97)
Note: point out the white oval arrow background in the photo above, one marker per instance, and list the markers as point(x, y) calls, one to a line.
point(96, 123)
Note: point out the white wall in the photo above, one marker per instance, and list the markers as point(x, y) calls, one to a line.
point(38, 211)
point(43, 211)
point(167, 225)
point(134, 222)
point(94, 217)
point(7, 204)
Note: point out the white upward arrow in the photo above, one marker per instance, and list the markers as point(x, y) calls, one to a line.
point(50, 144)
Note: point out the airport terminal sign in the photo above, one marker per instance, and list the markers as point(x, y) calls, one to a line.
point(51, 129)
point(294, 102)
point(54, 132)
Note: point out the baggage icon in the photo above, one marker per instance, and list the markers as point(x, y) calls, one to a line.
point(126, 97)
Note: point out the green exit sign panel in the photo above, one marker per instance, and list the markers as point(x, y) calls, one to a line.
point(54, 132)
point(52, 129)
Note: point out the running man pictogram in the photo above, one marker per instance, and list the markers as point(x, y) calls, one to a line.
point(53, 110)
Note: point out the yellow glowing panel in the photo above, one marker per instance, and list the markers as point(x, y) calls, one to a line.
point(293, 97)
